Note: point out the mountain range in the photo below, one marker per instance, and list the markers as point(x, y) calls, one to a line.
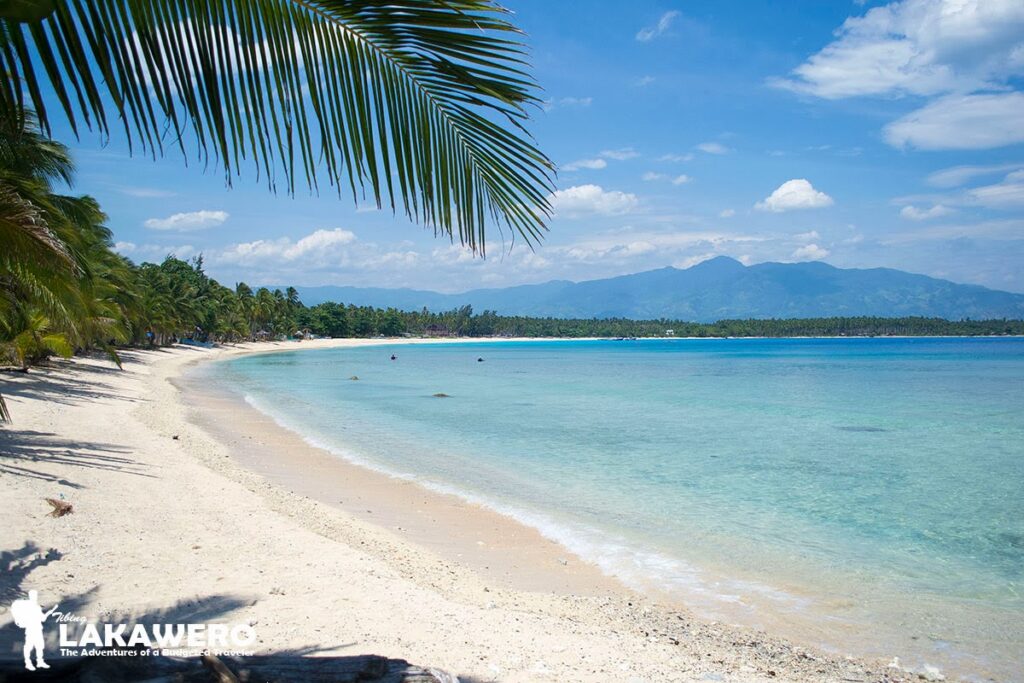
point(720, 288)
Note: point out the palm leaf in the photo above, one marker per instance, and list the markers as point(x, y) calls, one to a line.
point(419, 104)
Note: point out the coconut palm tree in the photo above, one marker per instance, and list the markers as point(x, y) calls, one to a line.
point(419, 105)
point(37, 266)
point(61, 285)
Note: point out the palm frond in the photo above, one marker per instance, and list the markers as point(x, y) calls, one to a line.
point(419, 104)
point(25, 233)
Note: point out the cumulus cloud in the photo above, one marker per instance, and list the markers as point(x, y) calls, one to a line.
point(966, 54)
point(810, 252)
point(183, 222)
point(919, 47)
point(316, 241)
point(792, 195)
point(592, 199)
point(664, 23)
point(681, 179)
point(590, 164)
point(314, 247)
point(676, 157)
point(962, 122)
point(727, 213)
point(912, 213)
point(713, 148)
point(651, 175)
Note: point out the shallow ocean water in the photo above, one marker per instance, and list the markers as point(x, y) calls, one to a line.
point(867, 494)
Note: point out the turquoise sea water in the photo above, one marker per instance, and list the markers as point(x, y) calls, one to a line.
point(865, 493)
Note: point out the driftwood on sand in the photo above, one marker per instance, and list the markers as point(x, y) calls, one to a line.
point(60, 507)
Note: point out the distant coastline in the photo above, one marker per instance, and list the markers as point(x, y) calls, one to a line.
point(338, 320)
point(720, 288)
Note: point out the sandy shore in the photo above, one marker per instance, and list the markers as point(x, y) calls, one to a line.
point(195, 512)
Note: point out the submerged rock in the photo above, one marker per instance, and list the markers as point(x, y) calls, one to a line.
point(441, 395)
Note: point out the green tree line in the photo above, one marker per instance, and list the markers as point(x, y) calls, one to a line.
point(338, 320)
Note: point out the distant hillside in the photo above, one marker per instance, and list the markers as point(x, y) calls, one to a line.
point(713, 290)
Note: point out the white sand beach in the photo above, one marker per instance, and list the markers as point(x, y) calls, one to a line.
point(208, 508)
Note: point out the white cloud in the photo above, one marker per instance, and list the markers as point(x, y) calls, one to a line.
point(153, 252)
point(317, 241)
point(317, 247)
point(664, 24)
point(807, 236)
point(713, 148)
point(552, 103)
point(912, 213)
point(794, 194)
point(576, 101)
point(691, 261)
point(677, 180)
point(183, 222)
point(676, 157)
point(1010, 229)
point(919, 47)
point(1006, 194)
point(962, 122)
point(644, 81)
point(144, 192)
point(963, 53)
point(810, 252)
point(592, 199)
point(590, 164)
point(958, 175)
point(620, 154)
point(628, 244)
point(727, 213)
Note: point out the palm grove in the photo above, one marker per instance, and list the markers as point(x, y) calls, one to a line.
point(417, 105)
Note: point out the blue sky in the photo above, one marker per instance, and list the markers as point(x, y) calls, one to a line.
point(861, 134)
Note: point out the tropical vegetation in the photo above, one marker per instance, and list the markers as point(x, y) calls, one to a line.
point(414, 104)
point(338, 320)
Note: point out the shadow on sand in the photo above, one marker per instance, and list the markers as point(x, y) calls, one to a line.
point(284, 666)
point(21, 449)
